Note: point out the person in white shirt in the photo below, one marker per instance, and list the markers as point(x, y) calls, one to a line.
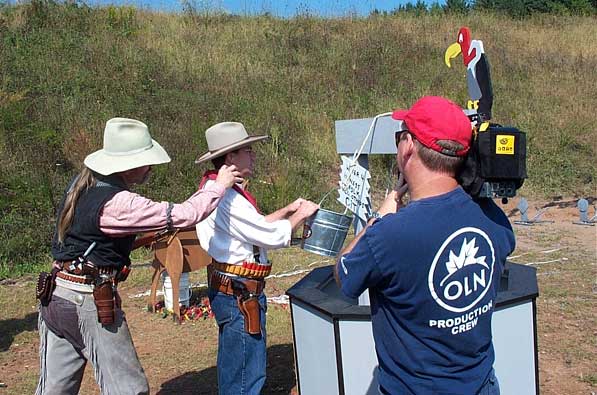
point(237, 236)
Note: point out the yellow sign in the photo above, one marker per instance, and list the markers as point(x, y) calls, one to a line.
point(504, 144)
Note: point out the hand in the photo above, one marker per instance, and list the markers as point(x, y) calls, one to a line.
point(401, 189)
point(292, 207)
point(307, 208)
point(228, 176)
point(304, 211)
point(394, 199)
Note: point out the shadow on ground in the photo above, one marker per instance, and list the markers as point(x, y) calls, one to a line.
point(280, 376)
point(12, 327)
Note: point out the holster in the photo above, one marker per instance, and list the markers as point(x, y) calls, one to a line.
point(250, 309)
point(46, 282)
point(103, 294)
point(122, 274)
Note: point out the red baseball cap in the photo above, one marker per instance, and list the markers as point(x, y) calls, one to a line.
point(434, 118)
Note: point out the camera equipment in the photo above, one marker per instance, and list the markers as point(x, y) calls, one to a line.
point(496, 163)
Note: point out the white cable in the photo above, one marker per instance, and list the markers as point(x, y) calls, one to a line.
point(204, 285)
point(282, 300)
point(357, 154)
point(552, 261)
point(540, 252)
point(371, 129)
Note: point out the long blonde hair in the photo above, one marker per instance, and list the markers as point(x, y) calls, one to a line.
point(84, 181)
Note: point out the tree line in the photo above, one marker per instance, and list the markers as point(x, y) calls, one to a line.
point(512, 8)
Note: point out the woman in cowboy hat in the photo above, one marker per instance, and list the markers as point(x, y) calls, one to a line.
point(237, 236)
point(97, 222)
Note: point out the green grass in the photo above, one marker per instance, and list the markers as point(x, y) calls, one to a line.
point(66, 69)
point(589, 378)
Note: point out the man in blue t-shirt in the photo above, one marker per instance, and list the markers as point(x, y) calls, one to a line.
point(433, 266)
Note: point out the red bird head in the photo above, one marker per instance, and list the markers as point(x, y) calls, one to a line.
point(462, 45)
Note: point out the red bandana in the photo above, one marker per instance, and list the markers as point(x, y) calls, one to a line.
point(213, 174)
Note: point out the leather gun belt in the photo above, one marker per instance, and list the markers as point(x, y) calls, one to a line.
point(247, 269)
point(74, 278)
point(223, 283)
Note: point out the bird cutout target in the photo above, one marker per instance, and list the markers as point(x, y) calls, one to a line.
point(478, 76)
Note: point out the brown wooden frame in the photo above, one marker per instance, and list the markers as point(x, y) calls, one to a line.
point(176, 252)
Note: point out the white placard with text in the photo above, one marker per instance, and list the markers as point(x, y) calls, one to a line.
point(354, 188)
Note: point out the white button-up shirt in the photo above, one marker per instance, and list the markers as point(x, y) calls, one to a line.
point(234, 227)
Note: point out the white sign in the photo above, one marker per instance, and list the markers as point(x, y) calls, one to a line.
point(354, 188)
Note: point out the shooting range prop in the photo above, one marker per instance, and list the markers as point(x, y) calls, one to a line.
point(175, 252)
point(523, 207)
point(583, 207)
point(478, 77)
point(335, 351)
point(324, 232)
point(184, 293)
point(354, 188)
point(361, 138)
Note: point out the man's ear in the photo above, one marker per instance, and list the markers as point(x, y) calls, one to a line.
point(410, 147)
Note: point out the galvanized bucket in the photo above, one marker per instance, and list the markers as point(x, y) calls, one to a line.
point(324, 232)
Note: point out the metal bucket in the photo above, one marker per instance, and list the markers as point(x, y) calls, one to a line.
point(324, 232)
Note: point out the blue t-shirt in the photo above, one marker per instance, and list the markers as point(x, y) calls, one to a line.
point(432, 270)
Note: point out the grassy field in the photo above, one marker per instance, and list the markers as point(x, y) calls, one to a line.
point(66, 69)
point(181, 359)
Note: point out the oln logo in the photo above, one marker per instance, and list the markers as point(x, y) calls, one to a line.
point(462, 270)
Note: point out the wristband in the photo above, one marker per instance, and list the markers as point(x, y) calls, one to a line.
point(375, 215)
point(169, 222)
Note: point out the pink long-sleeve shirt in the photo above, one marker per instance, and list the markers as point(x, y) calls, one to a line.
point(128, 213)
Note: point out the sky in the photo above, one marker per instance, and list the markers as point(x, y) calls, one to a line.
point(281, 8)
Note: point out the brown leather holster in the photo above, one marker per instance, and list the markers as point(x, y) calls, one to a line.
point(46, 282)
point(103, 296)
point(251, 310)
point(247, 293)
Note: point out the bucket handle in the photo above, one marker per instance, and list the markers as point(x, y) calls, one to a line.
point(326, 195)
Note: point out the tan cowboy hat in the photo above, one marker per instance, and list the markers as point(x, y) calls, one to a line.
point(226, 137)
point(127, 145)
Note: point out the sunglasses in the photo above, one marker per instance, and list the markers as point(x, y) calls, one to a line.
point(399, 133)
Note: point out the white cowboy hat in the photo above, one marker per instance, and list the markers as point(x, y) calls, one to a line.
point(226, 137)
point(127, 145)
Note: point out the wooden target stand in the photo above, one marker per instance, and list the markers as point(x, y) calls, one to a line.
point(175, 252)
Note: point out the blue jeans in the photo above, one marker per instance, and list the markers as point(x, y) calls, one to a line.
point(241, 356)
point(491, 385)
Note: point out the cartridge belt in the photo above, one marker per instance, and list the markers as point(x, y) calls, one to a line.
point(66, 267)
point(223, 283)
point(74, 278)
point(246, 269)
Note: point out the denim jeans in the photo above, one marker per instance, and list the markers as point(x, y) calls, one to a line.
point(241, 356)
point(491, 385)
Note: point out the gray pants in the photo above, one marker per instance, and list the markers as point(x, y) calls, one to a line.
point(72, 335)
